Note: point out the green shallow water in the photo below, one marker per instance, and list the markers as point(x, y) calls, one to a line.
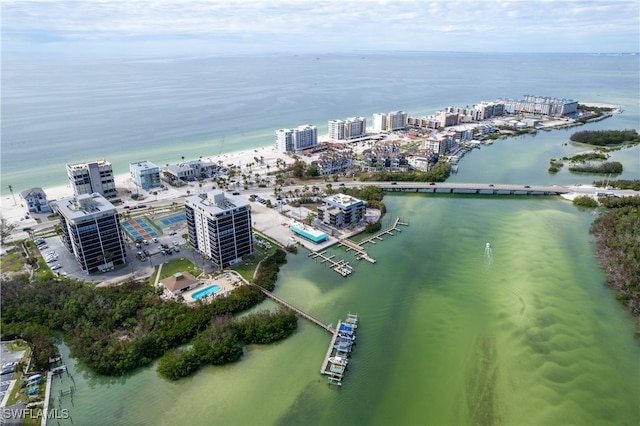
point(446, 336)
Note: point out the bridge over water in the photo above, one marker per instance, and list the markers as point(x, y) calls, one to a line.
point(472, 188)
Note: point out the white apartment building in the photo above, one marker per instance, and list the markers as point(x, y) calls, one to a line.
point(341, 210)
point(292, 140)
point(390, 121)
point(92, 177)
point(351, 128)
point(219, 227)
point(541, 105)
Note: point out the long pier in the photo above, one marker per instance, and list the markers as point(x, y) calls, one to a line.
point(341, 266)
point(297, 310)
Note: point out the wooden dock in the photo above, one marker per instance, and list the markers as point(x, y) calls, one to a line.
point(298, 310)
point(323, 369)
point(389, 231)
point(341, 266)
point(358, 247)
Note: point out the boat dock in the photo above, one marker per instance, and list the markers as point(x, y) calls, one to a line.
point(358, 247)
point(389, 231)
point(341, 266)
point(335, 361)
point(343, 338)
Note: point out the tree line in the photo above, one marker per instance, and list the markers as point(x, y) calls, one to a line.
point(112, 330)
point(606, 137)
point(223, 342)
point(439, 173)
point(617, 234)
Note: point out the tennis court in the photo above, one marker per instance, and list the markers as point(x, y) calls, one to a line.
point(140, 228)
point(171, 220)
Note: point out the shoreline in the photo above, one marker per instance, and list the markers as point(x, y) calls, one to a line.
point(17, 212)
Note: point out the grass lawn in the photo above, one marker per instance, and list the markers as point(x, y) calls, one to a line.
point(178, 265)
point(247, 269)
point(12, 261)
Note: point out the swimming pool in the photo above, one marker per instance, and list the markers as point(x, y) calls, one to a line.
point(208, 291)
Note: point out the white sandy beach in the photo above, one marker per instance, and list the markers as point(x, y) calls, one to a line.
point(16, 212)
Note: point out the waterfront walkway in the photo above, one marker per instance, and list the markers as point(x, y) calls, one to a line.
point(297, 310)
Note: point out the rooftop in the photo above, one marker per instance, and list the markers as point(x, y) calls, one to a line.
point(342, 200)
point(84, 205)
point(216, 201)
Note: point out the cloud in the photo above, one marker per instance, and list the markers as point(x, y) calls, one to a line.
point(299, 25)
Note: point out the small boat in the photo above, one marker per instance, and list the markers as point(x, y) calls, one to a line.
point(338, 360)
point(342, 348)
point(32, 391)
point(336, 368)
point(488, 245)
point(345, 329)
point(351, 337)
point(58, 370)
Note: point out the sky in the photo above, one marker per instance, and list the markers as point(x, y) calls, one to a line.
point(166, 27)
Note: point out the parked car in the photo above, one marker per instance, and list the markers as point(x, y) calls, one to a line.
point(56, 266)
point(9, 367)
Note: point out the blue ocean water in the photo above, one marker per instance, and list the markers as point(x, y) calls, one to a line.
point(56, 112)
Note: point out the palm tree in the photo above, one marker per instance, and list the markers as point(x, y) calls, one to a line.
point(11, 191)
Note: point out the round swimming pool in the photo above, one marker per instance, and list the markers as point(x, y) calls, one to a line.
point(208, 291)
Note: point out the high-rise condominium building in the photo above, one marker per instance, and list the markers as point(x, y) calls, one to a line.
point(91, 231)
point(92, 177)
point(297, 139)
point(351, 128)
point(388, 122)
point(219, 227)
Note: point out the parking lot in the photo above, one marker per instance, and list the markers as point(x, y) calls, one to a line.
point(7, 356)
point(139, 263)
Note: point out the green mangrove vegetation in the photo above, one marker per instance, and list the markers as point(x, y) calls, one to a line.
point(268, 269)
point(113, 330)
point(606, 137)
point(555, 165)
point(619, 183)
point(585, 201)
point(617, 234)
point(222, 343)
point(439, 173)
point(609, 167)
